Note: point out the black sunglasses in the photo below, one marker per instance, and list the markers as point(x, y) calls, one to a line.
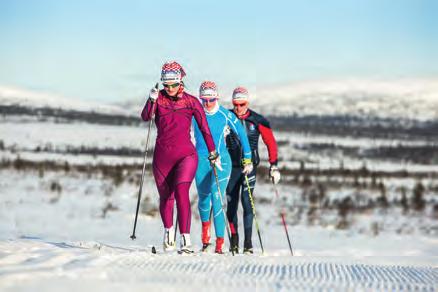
point(171, 85)
point(205, 100)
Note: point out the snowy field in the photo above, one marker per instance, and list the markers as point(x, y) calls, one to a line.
point(51, 238)
point(24, 137)
point(71, 229)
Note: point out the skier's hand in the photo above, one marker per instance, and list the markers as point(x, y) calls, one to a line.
point(274, 174)
point(215, 160)
point(153, 94)
point(227, 131)
point(247, 166)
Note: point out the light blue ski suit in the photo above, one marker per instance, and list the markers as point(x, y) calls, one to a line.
point(220, 123)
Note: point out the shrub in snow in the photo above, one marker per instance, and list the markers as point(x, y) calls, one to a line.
point(148, 207)
point(108, 207)
point(344, 208)
point(418, 202)
point(435, 211)
point(55, 186)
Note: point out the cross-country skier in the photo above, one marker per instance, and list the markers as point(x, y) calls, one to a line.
point(221, 122)
point(255, 125)
point(175, 159)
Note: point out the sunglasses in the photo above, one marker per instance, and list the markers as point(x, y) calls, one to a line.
point(174, 85)
point(205, 100)
point(240, 104)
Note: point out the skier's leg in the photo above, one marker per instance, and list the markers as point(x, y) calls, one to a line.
point(162, 175)
point(203, 185)
point(233, 190)
point(247, 208)
point(203, 180)
point(183, 206)
point(219, 198)
point(184, 174)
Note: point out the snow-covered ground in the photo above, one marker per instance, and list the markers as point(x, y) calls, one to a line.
point(53, 238)
point(24, 137)
point(71, 229)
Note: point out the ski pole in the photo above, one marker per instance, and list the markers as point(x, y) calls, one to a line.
point(143, 172)
point(251, 199)
point(223, 204)
point(283, 219)
point(176, 227)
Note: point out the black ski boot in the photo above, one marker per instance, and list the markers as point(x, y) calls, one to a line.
point(234, 245)
point(205, 247)
point(247, 247)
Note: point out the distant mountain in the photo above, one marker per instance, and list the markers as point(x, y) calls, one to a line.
point(398, 100)
point(18, 97)
point(410, 99)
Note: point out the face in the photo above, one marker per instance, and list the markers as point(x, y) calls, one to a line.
point(171, 88)
point(209, 103)
point(240, 107)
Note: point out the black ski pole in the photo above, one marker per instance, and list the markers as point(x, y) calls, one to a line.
point(283, 220)
point(176, 227)
point(223, 204)
point(143, 172)
point(251, 199)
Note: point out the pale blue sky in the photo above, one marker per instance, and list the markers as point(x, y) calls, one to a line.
point(113, 50)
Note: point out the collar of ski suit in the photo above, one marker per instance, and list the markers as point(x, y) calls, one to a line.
point(214, 110)
point(244, 116)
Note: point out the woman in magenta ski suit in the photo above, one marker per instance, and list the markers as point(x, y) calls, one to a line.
point(175, 159)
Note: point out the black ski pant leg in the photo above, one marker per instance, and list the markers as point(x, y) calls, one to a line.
point(233, 191)
point(246, 204)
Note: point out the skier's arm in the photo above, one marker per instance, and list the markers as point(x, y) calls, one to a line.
point(201, 120)
point(237, 127)
point(149, 108)
point(269, 140)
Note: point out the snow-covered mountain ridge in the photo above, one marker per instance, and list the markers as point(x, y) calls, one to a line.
point(402, 99)
point(405, 99)
point(14, 96)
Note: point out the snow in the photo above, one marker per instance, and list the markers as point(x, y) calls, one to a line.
point(28, 135)
point(130, 269)
point(402, 98)
point(51, 238)
point(71, 229)
point(11, 95)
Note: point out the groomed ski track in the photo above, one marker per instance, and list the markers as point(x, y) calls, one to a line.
point(98, 267)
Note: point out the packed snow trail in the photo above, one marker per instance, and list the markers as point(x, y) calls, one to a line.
point(27, 263)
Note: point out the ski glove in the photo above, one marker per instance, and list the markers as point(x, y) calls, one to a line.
point(215, 159)
point(274, 174)
point(153, 94)
point(247, 166)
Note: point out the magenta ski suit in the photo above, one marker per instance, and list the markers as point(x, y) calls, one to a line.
point(175, 159)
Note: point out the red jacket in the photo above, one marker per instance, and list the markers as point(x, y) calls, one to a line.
point(255, 125)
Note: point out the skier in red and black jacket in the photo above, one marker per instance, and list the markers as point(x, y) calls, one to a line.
point(255, 125)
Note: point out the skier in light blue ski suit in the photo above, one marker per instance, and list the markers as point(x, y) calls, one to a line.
point(220, 121)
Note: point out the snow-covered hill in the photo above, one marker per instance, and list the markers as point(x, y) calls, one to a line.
point(406, 98)
point(37, 99)
point(413, 99)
